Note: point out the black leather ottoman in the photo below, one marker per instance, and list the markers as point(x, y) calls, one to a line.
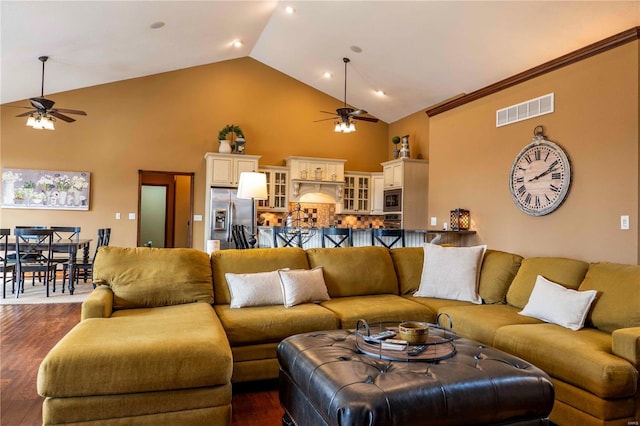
point(324, 380)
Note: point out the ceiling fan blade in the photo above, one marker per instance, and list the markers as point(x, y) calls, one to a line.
point(24, 114)
point(371, 119)
point(61, 117)
point(14, 106)
point(70, 111)
point(325, 119)
point(327, 112)
point(357, 112)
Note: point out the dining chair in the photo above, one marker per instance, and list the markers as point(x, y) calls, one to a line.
point(239, 237)
point(8, 268)
point(281, 238)
point(85, 268)
point(388, 238)
point(106, 236)
point(339, 237)
point(62, 255)
point(34, 253)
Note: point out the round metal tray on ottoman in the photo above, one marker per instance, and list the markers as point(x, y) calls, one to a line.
point(326, 380)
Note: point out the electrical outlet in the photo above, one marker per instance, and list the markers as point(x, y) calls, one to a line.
point(117, 216)
point(434, 221)
point(624, 222)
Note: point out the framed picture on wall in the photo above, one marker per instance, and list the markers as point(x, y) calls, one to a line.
point(45, 189)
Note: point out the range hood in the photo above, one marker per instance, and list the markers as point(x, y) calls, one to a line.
point(316, 191)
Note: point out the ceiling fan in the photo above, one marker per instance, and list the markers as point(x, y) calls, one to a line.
point(344, 116)
point(43, 110)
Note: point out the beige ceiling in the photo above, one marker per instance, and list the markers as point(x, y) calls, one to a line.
point(418, 52)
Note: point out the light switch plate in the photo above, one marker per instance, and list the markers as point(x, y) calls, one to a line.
point(132, 216)
point(434, 221)
point(624, 222)
point(197, 218)
point(117, 216)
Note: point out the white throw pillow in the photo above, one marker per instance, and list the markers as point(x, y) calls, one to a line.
point(551, 302)
point(259, 289)
point(451, 272)
point(303, 286)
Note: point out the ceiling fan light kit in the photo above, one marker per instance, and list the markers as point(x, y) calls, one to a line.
point(43, 114)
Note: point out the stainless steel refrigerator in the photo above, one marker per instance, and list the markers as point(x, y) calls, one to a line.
point(228, 210)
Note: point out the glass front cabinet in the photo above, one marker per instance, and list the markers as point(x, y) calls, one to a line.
point(276, 188)
point(356, 196)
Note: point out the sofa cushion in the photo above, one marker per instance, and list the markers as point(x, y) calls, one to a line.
point(259, 289)
point(480, 322)
point(582, 358)
point(136, 351)
point(374, 308)
point(148, 277)
point(618, 302)
point(497, 272)
point(566, 272)
point(251, 261)
point(355, 271)
point(302, 286)
point(451, 272)
point(556, 304)
point(407, 262)
point(435, 304)
point(268, 324)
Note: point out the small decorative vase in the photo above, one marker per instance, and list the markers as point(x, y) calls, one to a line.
point(404, 151)
point(62, 198)
point(396, 154)
point(225, 146)
point(9, 192)
point(240, 145)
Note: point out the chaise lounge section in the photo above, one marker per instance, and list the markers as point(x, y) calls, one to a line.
point(160, 328)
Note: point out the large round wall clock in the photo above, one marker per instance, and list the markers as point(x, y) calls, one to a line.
point(540, 176)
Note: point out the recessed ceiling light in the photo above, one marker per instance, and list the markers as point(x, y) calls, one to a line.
point(157, 25)
point(237, 43)
point(327, 74)
point(380, 93)
point(356, 49)
point(289, 10)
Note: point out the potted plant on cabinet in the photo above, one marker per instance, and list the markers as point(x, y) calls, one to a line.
point(396, 151)
point(227, 145)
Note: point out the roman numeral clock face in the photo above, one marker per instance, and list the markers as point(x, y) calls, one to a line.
point(540, 178)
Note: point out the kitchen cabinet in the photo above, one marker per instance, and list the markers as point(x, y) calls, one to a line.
point(277, 189)
point(377, 193)
point(318, 169)
point(412, 177)
point(393, 173)
point(225, 169)
point(356, 195)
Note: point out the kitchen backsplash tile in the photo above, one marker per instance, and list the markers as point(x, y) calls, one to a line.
point(324, 215)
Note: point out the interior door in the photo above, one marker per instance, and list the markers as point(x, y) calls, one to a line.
point(165, 208)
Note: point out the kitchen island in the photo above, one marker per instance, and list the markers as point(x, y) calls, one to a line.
point(362, 237)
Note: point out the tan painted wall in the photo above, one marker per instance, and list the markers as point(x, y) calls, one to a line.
point(167, 122)
point(416, 126)
point(595, 120)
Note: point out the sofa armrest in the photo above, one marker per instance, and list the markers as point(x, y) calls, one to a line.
point(99, 304)
point(626, 344)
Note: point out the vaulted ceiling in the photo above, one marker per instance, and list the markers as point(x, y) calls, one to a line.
point(418, 53)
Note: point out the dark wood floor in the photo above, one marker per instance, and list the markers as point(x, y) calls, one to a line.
point(28, 332)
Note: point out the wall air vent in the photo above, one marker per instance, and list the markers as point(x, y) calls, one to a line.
point(522, 111)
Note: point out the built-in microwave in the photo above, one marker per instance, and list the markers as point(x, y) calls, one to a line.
point(392, 200)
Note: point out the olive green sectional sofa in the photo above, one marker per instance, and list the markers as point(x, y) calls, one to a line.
point(160, 343)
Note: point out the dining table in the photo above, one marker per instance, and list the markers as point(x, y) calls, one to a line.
point(65, 245)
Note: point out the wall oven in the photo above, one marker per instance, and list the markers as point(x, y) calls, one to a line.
point(392, 200)
point(392, 221)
